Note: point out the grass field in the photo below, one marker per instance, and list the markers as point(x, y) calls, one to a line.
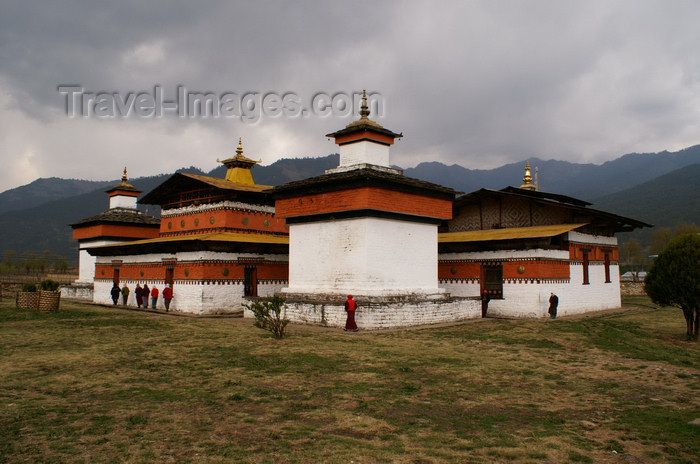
point(93, 384)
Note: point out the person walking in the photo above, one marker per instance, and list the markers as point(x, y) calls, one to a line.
point(146, 292)
point(350, 307)
point(125, 294)
point(167, 296)
point(115, 292)
point(154, 297)
point(139, 295)
point(485, 298)
point(553, 303)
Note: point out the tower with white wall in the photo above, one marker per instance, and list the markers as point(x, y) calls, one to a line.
point(122, 222)
point(364, 229)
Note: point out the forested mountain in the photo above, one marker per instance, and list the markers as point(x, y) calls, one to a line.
point(584, 181)
point(666, 201)
point(45, 190)
point(660, 188)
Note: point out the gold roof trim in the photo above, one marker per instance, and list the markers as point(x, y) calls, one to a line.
point(213, 237)
point(507, 234)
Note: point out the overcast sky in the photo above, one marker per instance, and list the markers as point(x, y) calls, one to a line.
point(477, 83)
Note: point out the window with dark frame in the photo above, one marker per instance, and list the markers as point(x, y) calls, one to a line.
point(585, 266)
point(606, 253)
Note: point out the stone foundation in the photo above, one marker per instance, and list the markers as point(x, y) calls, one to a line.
point(632, 288)
point(373, 313)
point(78, 291)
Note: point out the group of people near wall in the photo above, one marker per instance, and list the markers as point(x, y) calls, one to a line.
point(142, 295)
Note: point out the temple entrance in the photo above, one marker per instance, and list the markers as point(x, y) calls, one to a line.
point(115, 277)
point(169, 274)
point(250, 281)
point(492, 280)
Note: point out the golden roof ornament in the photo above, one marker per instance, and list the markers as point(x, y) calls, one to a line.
point(364, 109)
point(527, 179)
point(239, 166)
point(364, 115)
point(124, 184)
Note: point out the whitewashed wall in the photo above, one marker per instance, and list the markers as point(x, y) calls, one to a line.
point(368, 256)
point(122, 201)
point(364, 152)
point(372, 316)
point(191, 296)
point(86, 262)
point(527, 298)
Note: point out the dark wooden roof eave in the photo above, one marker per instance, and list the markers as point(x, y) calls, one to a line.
point(619, 223)
point(120, 217)
point(361, 178)
point(359, 126)
point(180, 182)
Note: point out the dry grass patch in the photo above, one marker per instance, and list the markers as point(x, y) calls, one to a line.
point(93, 384)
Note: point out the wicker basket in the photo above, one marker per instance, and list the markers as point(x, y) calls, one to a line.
point(27, 300)
point(49, 300)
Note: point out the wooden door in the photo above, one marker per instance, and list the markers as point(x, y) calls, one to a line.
point(250, 281)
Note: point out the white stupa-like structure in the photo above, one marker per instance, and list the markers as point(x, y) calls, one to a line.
point(363, 228)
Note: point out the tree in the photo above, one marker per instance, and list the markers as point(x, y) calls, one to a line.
point(60, 264)
point(632, 254)
point(268, 315)
point(663, 235)
point(659, 239)
point(9, 261)
point(683, 228)
point(674, 280)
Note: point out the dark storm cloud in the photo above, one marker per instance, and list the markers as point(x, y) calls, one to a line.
point(476, 83)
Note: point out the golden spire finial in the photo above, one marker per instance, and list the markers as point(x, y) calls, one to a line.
point(239, 149)
point(364, 109)
point(124, 177)
point(527, 178)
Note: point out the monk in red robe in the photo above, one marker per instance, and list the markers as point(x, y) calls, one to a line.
point(350, 307)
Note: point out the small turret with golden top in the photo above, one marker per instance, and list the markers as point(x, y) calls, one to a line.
point(239, 167)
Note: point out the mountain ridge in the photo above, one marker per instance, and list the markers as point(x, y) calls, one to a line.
point(35, 223)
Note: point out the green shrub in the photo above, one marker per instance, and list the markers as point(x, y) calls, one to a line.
point(49, 285)
point(268, 315)
point(29, 287)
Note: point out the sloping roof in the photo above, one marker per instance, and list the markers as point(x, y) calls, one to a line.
point(120, 216)
point(507, 234)
point(361, 177)
point(619, 223)
point(191, 242)
point(125, 186)
point(546, 196)
point(213, 237)
point(515, 191)
point(226, 185)
point(364, 125)
point(180, 181)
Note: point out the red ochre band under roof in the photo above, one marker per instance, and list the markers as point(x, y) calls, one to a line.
point(364, 198)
